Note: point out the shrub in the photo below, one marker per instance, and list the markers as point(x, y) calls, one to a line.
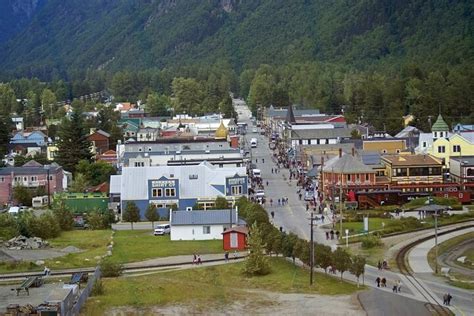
point(45, 226)
point(371, 241)
point(98, 288)
point(110, 269)
point(8, 227)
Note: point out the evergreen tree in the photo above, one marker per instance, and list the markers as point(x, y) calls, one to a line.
point(63, 216)
point(73, 145)
point(131, 213)
point(256, 262)
point(157, 105)
point(4, 135)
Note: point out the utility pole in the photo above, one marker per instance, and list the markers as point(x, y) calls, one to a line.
point(311, 258)
point(436, 241)
point(340, 205)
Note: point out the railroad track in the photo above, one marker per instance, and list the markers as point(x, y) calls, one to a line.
point(67, 273)
point(433, 302)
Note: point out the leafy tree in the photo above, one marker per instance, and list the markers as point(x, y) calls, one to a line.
point(63, 216)
point(221, 203)
point(357, 267)
point(157, 105)
point(323, 256)
point(342, 260)
point(151, 214)
point(80, 183)
point(48, 102)
point(45, 226)
point(22, 195)
point(302, 251)
point(95, 173)
point(73, 145)
point(188, 96)
point(7, 100)
point(289, 244)
point(131, 213)
point(256, 262)
point(41, 158)
point(8, 227)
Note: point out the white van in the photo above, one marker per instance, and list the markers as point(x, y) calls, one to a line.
point(256, 173)
point(253, 143)
point(162, 229)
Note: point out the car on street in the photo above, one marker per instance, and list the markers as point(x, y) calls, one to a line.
point(162, 229)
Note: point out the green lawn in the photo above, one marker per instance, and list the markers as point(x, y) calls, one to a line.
point(92, 242)
point(375, 223)
point(209, 286)
point(138, 245)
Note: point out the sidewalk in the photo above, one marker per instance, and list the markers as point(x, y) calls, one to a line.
point(156, 262)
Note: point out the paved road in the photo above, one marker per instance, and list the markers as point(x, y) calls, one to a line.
point(292, 217)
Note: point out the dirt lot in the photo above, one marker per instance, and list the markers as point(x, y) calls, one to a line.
point(261, 303)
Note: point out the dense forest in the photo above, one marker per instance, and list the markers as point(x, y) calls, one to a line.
point(374, 61)
point(67, 38)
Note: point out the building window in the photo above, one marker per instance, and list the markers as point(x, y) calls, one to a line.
point(156, 192)
point(2, 179)
point(456, 148)
point(366, 177)
point(236, 190)
point(206, 230)
point(435, 134)
point(170, 192)
point(424, 144)
point(441, 149)
point(34, 178)
point(50, 177)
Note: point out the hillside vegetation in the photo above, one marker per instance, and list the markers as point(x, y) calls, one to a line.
point(68, 36)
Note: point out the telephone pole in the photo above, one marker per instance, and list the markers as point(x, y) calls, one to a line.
point(311, 256)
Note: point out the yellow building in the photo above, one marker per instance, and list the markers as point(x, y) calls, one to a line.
point(385, 146)
point(446, 145)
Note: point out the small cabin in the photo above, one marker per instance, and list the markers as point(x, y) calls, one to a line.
point(235, 238)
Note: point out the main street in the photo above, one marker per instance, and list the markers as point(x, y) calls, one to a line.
point(292, 217)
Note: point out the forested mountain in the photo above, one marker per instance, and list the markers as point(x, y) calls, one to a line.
point(65, 37)
point(16, 15)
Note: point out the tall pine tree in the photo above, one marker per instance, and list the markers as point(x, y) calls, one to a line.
point(73, 145)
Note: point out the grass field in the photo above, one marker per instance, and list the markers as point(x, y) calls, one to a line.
point(375, 223)
point(139, 245)
point(209, 286)
point(92, 242)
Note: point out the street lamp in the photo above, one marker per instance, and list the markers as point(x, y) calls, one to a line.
point(49, 190)
point(311, 250)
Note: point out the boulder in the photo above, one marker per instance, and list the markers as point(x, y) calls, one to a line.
point(39, 263)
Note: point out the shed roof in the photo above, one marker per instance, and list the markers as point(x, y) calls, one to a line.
point(211, 217)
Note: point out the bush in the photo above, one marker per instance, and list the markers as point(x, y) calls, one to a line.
point(371, 241)
point(9, 227)
point(110, 269)
point(98, 288)
point(45, 226)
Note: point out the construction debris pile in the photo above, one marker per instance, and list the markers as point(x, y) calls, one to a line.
point(22, 242)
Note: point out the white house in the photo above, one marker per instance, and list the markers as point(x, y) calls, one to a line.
point(202, 225)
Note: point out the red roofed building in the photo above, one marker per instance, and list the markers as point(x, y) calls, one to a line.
point(100, 141)
point(110, 156)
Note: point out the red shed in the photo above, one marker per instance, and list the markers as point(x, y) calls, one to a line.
point(235, 238)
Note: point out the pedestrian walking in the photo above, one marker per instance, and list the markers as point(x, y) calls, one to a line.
point(384, 282)
point(394, 288)
point(266, 183)
point(194, 258)
point(272, 170)
point(322, 219)
point(379, 265)
point(263, 160)
point(445, 299)
point(377, 281)
point(226, 256)
point(256, 160)
point(279, 202)
point(272, 214)
point(199, 260)
point(286, 200)
point(332, 234)
point(300, 195)
point(327, 235)
point(399, 286)
point(449, 299)
point(337, 234)
point(46, 271)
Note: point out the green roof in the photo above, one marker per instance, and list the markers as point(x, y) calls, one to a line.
point(440, 125)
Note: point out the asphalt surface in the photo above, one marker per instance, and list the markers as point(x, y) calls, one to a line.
point(380, 303)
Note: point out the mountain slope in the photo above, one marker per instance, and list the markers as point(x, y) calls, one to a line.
point(74, 35)
point(15, 15)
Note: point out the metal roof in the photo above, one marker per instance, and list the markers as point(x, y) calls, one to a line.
point(321, 133)
point(210, 217)
point(346, 164)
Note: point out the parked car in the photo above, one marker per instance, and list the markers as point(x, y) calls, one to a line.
point(254, 130)
point(162, 229)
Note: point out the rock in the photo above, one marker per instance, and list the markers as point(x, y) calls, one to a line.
point(22, 242)
point(97, 257)
point(461, 259)
point(39, 263)
point(109, 253)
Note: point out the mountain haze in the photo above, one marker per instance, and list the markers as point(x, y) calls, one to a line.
point(64, 36)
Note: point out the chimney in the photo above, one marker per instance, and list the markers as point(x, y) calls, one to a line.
point(353, 152)
point(340, 152)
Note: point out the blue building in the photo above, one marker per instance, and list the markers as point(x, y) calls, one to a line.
point(184, 186)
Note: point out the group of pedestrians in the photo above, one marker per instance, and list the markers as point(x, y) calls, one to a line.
point(330, 234)
point(382, 265)
point(447, 299)
point(276, 170)
point(382, 282)
point(283, 201)
point(197, 259)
